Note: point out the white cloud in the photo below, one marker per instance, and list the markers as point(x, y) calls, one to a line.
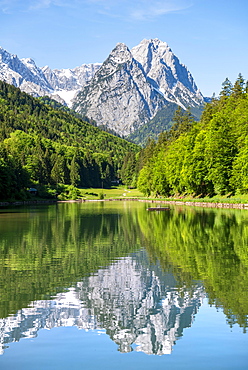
point(5, 5)
point(11, 6)
point(149, 10)
point(40, 4)
point(125, 9)
point(139, 9)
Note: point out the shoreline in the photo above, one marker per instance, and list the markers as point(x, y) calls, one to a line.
point(27, 202)
point(173, 202)
point(201, 204)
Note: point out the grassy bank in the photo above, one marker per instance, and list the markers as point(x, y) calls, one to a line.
point(122, 192)
point(69, 192)
point(117, 192)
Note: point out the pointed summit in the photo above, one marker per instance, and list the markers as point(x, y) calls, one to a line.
point(148, 50)
point(121, 53)
point(166, 72)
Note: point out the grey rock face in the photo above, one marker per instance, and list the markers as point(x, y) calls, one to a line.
point(131, 86)
point(119, 95)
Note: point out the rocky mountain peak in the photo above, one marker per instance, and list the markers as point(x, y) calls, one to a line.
point(5, 56)
point(118, 56)
point(162, 66)
point(133, 85)
point(149, 50)
point(121, 53)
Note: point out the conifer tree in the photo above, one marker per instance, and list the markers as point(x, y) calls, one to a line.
point(183, 121)
point(226, 89)
point(58, 170)
point(238, 87)
point(74, 171)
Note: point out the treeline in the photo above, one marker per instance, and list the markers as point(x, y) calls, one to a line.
point(209, 157)
point(46, 146)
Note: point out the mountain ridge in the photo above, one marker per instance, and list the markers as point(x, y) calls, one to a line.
point(123, 93)
point(59, 84)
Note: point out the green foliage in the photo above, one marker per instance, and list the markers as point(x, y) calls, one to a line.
point(128, 170)
point(182, 123)
point(202, 158)
point(43, 142)
point(226, 89)
point(162, 121)
point(239, 178)
point(238, 87)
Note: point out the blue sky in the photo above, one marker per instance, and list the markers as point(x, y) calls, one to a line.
point(209, 36)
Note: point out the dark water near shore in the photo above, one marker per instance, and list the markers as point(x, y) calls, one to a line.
point(92, 285)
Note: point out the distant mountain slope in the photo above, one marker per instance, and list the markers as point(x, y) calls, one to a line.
point(61, 84)
point(162, 121)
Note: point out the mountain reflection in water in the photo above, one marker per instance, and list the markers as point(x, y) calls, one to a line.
point(139, 276)
point(134, 304)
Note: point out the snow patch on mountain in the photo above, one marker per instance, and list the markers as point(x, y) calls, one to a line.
point(65, 95)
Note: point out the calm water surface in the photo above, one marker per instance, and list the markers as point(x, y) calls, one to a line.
point(110, 285)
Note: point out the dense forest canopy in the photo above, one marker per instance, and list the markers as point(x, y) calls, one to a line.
point(202, 158)
point(45, 144)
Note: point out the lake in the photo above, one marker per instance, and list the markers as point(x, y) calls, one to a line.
point(110, 285)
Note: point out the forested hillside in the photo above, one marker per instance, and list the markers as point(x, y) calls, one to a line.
point(202, 158)
point(43, 145)
point(162, 121)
